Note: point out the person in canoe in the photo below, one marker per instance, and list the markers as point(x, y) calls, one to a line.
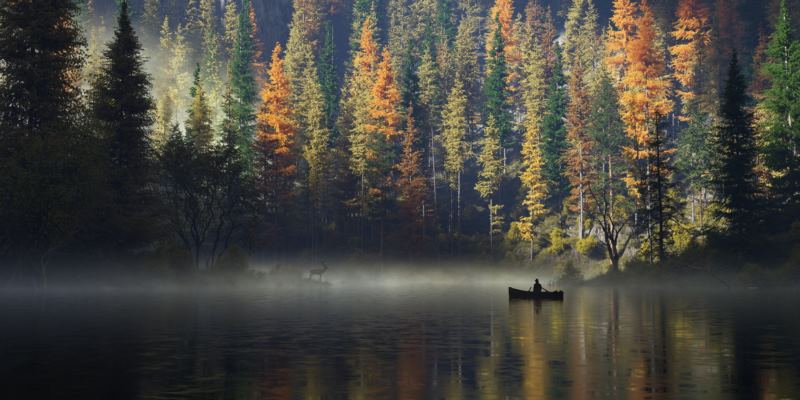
point(537, 287)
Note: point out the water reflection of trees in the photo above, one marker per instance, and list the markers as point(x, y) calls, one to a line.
point(596, 344)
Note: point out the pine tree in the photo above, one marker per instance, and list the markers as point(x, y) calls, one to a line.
point(303, 40)
point(540, 27)
point(175, 75)
point(193, 24)
point(122, 107)
point(580, 37)
point(554, 137)
point(48, 172)
point(199, 124)
point(164, 119)
point(465, 55)
point(230, 27)
point(400, 33)
point(735, 157)
point(501, 21)
point(490, 175)
point(317, 153)
point(495, 91)
point(211, 57)
point(364, 144)
point(532, 179)
point(454, 137)
point(657, 191)
point(242, 80)
point(782, 104)
point(693, 161)
point(363, 10)
point(328, 75)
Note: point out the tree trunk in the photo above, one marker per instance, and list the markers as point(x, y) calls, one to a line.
point(491, 228)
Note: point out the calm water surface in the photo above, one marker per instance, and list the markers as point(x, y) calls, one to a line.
point(399, 343)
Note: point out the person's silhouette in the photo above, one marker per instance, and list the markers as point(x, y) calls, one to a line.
point(537, 287)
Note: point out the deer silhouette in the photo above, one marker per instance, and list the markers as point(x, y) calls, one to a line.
point(318, 272)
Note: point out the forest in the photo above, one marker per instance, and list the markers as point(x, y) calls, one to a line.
point(589, 138)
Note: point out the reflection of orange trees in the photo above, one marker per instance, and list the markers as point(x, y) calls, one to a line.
point(411, 372)
point(525, 329)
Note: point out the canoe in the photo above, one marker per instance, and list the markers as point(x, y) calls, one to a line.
point(514, 294)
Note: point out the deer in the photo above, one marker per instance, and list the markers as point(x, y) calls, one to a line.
point(318, 272)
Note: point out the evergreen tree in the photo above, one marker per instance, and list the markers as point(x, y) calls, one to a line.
point(782, 104)
point(199, 125)
point(533, 91)
point(303, 40)
point(317, 152)
point(490, 175)
point(211, 57)
point(465, 55)
point(540, 26)
point(657, 194)
point(430, 104)
point(362, 10)
point(364, 144)
point(122, 107)
point(580, 37)
point(242, 80)
point(456, 146)
point(693, 158)
point(193, 24)
point(230, 27)
point(46, 156)
point(500, 22)
point(495, 92)
point(735, 157)
point(554, 136)
point(328, 75)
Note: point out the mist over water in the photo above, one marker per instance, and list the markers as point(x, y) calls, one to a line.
point(406, 337)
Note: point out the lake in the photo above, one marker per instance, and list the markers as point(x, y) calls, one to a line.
point(399, 342)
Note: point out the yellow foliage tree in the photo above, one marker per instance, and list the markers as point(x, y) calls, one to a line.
point(692, 35)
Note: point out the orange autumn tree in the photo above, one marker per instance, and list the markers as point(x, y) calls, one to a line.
point(411, 185)
point(618, 37)
point(385, 110)
point(275, 158)
point(502, 12)
point(578, 154)
point(692, 35)
point(365, 144)
point(645, 94)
